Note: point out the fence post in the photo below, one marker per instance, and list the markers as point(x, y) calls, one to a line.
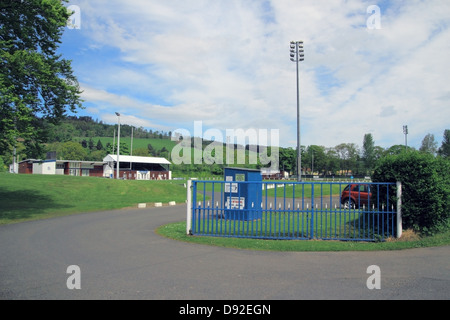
point(189, 208)
point(399, 209)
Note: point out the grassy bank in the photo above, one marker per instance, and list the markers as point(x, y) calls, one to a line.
point(31, 197)
point(409, 240)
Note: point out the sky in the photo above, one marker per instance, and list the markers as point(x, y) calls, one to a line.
point(168, 64)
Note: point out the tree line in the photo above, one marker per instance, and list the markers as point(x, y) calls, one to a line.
point(343, 159)
point(350, 159)
point(86, 126)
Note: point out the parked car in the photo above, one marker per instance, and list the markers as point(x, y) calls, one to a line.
point(355, 196)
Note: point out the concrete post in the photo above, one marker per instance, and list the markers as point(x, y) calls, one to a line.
point(189, 208)
point(399, 209)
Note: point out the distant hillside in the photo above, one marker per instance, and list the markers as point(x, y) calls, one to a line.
point(86, 139)
point(88, 127)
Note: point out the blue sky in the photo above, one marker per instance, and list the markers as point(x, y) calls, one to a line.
point(166, 64)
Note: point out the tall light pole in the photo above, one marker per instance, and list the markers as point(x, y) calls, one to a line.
point(118, 146)
point(131, 153)
point(297, 55)
point(405, 132)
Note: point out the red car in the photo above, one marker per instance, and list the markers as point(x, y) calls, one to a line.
point(356, 196)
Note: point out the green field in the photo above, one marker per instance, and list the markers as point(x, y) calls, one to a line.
point(284, 189)
point(409, 240)
point(31, 197)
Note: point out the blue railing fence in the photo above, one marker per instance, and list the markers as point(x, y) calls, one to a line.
point(294, 210)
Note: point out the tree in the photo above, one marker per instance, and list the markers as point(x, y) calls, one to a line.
point(368, 153)
point(71, 151)
point(151, 150)
point(315, 159)
point(141, 152)
point(348, 154)
point(99, 145)
point(425, 180)
point(2, 165)
point(288, 158)
point(35, 82)
point(397, 149)
point(444, 150)
point(123, 148)
point(91, 144)
point(429, 145)
point(332, 162)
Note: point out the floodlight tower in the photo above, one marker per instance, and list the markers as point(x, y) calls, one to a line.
point(405, 132)
point(297, 55)
point(118, 146)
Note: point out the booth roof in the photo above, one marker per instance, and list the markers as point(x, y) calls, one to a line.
point(134, 159)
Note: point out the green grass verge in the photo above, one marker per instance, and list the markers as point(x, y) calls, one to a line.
point(177, 231)
point(32, 197)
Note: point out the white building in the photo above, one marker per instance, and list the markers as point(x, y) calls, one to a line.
point(137, 168)
point(131, 168)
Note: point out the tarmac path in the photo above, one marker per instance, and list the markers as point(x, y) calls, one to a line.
point(121, 257)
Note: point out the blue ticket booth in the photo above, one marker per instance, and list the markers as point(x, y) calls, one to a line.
point(242, 194)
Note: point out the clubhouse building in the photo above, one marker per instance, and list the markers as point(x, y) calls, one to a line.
point(130, 168)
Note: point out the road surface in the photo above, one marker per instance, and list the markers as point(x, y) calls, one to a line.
point(120, 256)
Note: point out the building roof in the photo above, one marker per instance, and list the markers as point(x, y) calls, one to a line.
point(135, 159)
point(62, 161)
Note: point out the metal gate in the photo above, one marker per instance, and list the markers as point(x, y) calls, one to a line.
point(354, 211)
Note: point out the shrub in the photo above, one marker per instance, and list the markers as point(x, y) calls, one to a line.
point(425, 189)
point(3, 166)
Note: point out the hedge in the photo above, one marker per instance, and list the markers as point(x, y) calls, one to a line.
point(425, 189)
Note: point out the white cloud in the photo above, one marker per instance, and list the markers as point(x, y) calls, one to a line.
point(226, 63)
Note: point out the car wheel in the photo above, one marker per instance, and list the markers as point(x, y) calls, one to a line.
point(349, 204)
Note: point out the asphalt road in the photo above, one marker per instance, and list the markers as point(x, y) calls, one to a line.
point(121, 257)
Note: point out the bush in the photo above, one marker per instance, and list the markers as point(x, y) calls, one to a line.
point(3, 167)
point(425, 189)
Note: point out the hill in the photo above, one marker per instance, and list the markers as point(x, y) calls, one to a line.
point(86, 139)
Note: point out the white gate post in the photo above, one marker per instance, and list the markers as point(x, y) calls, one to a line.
point(399, 209)
point(189, 208)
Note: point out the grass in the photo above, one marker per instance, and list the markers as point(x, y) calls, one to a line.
point(409, 240)
point(31, 197)
point(284, 189)
point(328, 224)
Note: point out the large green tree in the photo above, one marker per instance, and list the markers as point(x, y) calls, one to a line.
point(429, 145)
point(444, 150)
point(368, 153)
point(36, 84)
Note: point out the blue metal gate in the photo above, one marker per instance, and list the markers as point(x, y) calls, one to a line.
point(356, 211)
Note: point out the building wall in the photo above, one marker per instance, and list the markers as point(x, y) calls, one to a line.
point(90, 169)
point(143, 175)
point(44, 167)
point(25, 168)
point(96, 172)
